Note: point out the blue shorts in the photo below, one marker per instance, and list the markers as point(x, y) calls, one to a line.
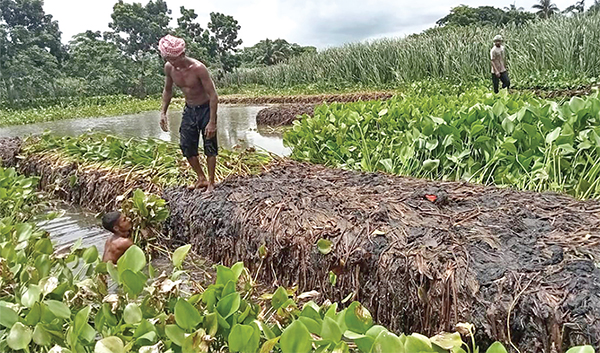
point(193, 123)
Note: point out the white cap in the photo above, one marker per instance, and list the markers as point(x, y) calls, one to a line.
point(498, 38)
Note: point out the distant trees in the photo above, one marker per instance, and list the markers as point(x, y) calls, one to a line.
point(270, 52)
point(464, 15)
point(31, 53)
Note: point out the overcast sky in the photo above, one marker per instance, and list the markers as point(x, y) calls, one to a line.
point(320, 23)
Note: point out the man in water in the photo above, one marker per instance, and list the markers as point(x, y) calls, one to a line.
point(499, 72)
point(200, 112)
point(118, 224)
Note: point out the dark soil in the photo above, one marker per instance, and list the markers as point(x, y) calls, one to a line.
point(285, 114)
point(562, 93)
point(316, 98)
point(9, 149)
point(492, 257)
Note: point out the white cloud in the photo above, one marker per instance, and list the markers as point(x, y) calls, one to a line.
point(321, 23)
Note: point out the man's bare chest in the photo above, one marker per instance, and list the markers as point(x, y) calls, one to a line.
point(184, 79)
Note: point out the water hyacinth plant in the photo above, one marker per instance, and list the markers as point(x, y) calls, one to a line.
point(514, 140)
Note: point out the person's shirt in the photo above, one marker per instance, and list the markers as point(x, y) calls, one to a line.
point(497, 57)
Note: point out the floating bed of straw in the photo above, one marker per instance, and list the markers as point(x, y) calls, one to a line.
point(97, 182)
point(494, 257)
point(314, 98)
point(280, 115)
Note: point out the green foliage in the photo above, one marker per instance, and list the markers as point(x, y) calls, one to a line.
point(148, 212)
point(16, 193)
point(224, 30)
point(324, 246)
point(581, 349)
point(270, 52)
point(30, 50)
point(137, 30)
point(465, 15)
point(98, 65)
point(180, 254)
point(512, 140)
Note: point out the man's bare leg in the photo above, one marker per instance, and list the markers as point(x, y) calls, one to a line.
point(211, 161)
point(195, 163)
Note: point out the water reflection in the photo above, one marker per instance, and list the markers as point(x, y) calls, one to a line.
point(236, 126)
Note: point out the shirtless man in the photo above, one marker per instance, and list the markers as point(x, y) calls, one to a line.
point(120, 241)
point(200, 112)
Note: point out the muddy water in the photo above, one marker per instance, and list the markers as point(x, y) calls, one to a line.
point(236, 127)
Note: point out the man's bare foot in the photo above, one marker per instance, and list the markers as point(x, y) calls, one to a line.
point(209, 188)
point(200, 184)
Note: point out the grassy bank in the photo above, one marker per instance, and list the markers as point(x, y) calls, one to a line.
point(557, 53)
point(69, 108)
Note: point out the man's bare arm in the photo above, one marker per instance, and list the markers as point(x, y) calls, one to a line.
point(209, 88)
point(166, 98)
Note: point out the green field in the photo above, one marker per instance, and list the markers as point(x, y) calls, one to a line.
point(560, 52)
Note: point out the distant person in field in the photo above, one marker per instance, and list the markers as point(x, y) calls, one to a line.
point(118, 224)
point(499, 72)
point(200, 112)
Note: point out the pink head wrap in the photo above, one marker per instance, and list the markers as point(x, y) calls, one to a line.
point(171, 46)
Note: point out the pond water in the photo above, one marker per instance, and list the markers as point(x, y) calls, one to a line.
point(236, 126)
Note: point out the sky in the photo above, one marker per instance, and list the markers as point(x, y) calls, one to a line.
point(319, 23)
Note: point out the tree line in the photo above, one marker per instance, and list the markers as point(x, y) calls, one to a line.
point(34, 63)
point(464, 15)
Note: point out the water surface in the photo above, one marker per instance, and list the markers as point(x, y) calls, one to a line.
point(236, 127)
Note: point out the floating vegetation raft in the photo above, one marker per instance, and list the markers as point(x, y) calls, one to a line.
point(284, 114)
point(98, 171)
point(315, 98)
point(420, 255)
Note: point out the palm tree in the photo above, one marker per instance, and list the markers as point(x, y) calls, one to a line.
point(546, 8)
point(513, 8)
point(578, 7)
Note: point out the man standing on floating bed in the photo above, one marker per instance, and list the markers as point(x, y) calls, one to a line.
point(200, 112)
point(499, 72)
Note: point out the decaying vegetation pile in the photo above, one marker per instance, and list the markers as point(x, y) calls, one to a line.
point(494, 257)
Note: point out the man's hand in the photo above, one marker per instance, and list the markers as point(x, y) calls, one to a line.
point(164, 122)
point(211, 130)
point(498, 74)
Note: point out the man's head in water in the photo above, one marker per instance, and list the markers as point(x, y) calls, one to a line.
point(117, 223)
point(172, 49)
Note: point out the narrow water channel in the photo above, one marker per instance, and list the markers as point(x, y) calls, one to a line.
point(76, 223)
